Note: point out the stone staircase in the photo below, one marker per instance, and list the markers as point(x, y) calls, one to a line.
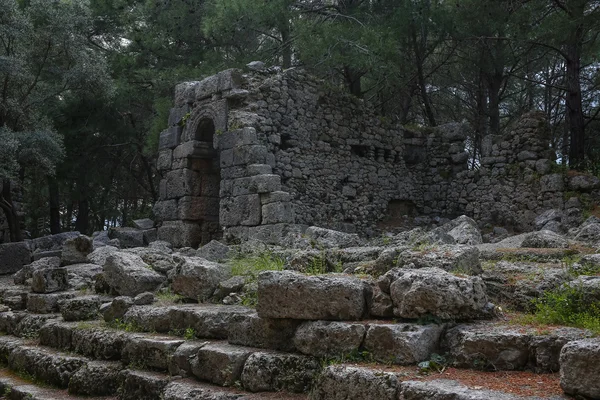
point(310, 337)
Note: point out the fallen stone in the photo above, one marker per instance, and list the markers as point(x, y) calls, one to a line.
point(328, 297)
point(580, 368)
point(49, 280)
point(545, 239)
point(26, 273)
point(464, 230)
point(214, 251)
point(443, 389)
point(589, 233)
point(159, 260)
point(128, 237)
point(432, 291)
point(403, 344)
point(464, 259)
point(83, 276)
point(198, 278)
point(143, 224)
point(76, 250)
point(99, 255)
point(328, 238)
point(547, 216)
point(144, 299)
point(329, 338)
point(182, 360)
point(13, 256)
point(117, 308)
point(129, 275)
point(274, 372)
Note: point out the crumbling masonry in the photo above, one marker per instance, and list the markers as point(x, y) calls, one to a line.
point(256, 154)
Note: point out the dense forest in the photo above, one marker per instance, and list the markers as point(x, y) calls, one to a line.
point(86, 85)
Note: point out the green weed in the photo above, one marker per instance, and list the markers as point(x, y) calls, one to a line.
point(250, 266)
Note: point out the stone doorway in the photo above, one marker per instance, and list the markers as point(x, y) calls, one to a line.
point(204, 160)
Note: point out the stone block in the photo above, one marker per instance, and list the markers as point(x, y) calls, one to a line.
point(198, 208)
point(207, 87)
point(128, 237)
point(211, 184)
point(274, 372)
point(252, 330)
point(166, 210)
point(346, 382)
point(580, 368)
point(197, 278)
point(150, 352)
point(180, 233)
point(403, 344)
point(80, 308)
point(182, 182)
point(229, 79)
point(329, 338)
point(214, 251)
point(240, 210)
point(552, 183)
point(128, 275)
point(433, 291)
point(46, 303)
point(256, 184)
point(220, 364)
point(327, 297)
point(165, 160)
point(252, 154)
point(49, 280)
point(275, 197)
point(182, 359)
point(13, 256)
point(275, 213)
point(259, 169)
point(185, 93)
point(169, 138)
point(178, 113)
point(95, 378)
point(75, 250)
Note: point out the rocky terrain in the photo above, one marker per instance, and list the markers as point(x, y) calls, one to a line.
point(430, 313)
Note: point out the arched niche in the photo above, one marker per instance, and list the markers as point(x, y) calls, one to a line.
point(205, 130)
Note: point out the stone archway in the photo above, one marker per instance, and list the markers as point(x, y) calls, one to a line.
point(204, 160)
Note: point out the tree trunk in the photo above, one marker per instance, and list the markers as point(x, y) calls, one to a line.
point(574, 108)
point(494, 87)
point(8, 207)
point(286, 51)
point(54, 201)
point(82, 223)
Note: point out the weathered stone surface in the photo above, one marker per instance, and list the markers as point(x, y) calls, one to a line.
point(589, 233)
point(117, 308)
point(275, 213)
point(82, 276)
point(329, 338)
point(49, 280)
point(183, 358)
point(198, 278)
point(143, 224)
point(584, 183)
point(487, 348)
point(214, 251)
point(220, 364)
point(150, 352)
point(545, 239)
point(402, 343)
point(464, 230)
point(252, 330)
point(13, 256)
point(434, 291)
point(449, 258)
point(75, 250)
point(80, 308)
point(340, 382)
point(270, 371)
point(129, 275)
point(128, 237)
point(329, 297)
point(99, 255)
point(328, 238)
point(180, 233)
point(442, 389)
point(27, 271)
point(95, 378)
point(158, 259)
point(143, 299)
point(240, 210)
point(580, 368)
point(546, 217)
point(141, 385)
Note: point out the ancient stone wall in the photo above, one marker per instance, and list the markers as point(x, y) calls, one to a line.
point(262, 152)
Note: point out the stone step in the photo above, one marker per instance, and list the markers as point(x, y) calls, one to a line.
point(216, 362)
point(13, 387)
point(354, 382)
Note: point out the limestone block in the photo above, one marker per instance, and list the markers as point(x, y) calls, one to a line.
point(197, 278)
point(169, 138)
point(27, 271)
point(584, 183)
point(327, 297)
point(329, 238)
point(128, 237)
point(275, 213)
point(221, 364)
point(211, 185)
point(259, 169)
point(214, 251)
point(46, 303)
point(75, 250)
point(13, 256)
point(403, 344)
point(95, 378)
point(240, 210)
point(180, 233)
point(166, 210)
point(256, 184)
point(253, 154)
point(182, 182)
point(552, 183)
point(165, 160)
point(329, 338)
point(434, 291)
point(252, 330)
point(128, 275)
point(185, 93)
point(274, 372)
point(275, 197)
point(151, 352)
point(345, 382)
point(195, 208)
point(580, 368)
point(49, 280)
point(80, 308)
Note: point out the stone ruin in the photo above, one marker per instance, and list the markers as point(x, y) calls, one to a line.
point(265, 152)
